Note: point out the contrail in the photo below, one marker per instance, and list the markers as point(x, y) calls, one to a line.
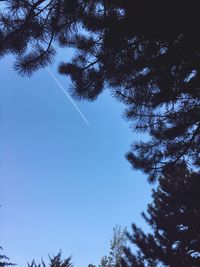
point(68, 96)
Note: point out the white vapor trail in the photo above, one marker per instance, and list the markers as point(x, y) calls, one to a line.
point(68, 96)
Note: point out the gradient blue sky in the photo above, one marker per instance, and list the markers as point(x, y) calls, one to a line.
point(63, 184)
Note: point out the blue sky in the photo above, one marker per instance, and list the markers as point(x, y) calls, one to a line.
point(63, 184)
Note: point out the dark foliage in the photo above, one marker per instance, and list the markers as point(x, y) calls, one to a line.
point(29, 28)
point(4, 261)
point(55, 261)
point(147, 52)
point(174, 217)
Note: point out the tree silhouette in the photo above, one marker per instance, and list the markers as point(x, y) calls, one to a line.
point(55, 261)
point(146, 52)
point(28, 29)
point(174, 217)
point(4, 261)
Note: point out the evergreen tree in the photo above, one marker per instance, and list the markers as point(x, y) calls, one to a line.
point(4, 260)
point(174, 217)
point(146, 52)
point(55, 261)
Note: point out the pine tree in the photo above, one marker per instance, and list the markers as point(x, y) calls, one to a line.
point(146, 52)
point(4, 261)
point(174, 217)
point(117, 244)
point(55, 261)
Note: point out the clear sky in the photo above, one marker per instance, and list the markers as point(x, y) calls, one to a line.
point(63, 184)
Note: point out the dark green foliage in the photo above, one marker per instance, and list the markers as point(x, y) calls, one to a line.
point(146, 52)
point(55, 261)
point(174, 217)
